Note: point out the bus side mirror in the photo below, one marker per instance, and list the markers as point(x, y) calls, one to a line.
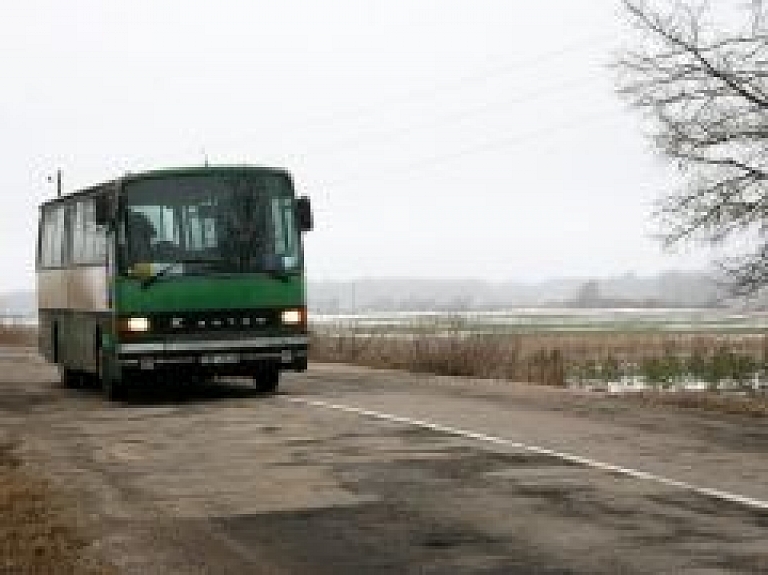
point(103, 210)
point(304, 214)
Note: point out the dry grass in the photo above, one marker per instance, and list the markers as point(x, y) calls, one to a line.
point(546, 358)
point(38, 532)
point(475, 356)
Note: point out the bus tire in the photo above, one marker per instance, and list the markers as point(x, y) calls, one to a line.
point(267, 379)
point(112, 386)
point(71, 378)
point(114, 389)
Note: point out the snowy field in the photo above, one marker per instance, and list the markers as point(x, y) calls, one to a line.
point(546, 320)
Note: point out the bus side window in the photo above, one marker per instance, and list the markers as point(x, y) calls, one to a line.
point(53, 240)
point(78, 233)
point(89, 241)
point(90, 233)
point(99, 239)
point(42, 248)
point(40, 240)
point(46, 234)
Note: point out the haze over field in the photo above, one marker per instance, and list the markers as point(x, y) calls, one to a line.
point(436, 139)
point(670, 290)
point(408, 294)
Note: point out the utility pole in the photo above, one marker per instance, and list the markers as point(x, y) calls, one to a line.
point(58, 182)
point(757, 16)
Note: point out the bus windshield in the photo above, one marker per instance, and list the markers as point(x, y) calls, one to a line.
point(191, 225)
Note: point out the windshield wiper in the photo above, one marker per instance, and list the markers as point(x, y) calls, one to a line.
point(145, 283)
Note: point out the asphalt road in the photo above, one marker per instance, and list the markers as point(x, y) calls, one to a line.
point(356, 471)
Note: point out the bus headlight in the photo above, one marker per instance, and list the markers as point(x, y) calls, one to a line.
point(292, 317)
point(137, 324)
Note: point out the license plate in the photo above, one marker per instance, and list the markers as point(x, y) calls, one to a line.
point(220, 359)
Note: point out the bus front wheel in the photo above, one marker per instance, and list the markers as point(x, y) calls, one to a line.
point(267, 378)
point(113, 389)
point(112, 385)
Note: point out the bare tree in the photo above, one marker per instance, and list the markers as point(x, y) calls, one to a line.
point(757, 16)
point(703, 84)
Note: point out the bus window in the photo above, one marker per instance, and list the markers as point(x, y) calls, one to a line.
point(200, 226)
point(78, 233)
point(53, 241)
point(89, 241)
point(46, 249)
point(284, 231)
point(95, 236)
point(227, 224)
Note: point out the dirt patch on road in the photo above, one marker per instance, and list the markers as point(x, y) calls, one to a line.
point(38, 530)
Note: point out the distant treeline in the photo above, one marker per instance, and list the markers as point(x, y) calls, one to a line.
point(667, 290)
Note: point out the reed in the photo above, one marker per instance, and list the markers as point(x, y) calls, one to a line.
point(558, 358)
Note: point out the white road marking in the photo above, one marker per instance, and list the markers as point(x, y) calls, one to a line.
point(577, 459)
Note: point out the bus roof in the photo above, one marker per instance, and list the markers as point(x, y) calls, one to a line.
point(164, 173)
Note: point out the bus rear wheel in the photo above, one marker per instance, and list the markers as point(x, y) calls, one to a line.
point(267, 378)
point(71, 378)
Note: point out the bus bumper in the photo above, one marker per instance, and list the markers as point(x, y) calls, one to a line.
point(234, 357)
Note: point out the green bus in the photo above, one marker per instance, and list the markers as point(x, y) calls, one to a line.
point(186, 273)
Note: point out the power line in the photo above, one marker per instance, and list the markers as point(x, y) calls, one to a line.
point(416, 95)
point(506, 69)
point(387, 135)
point(421, 94)
point(487, 146)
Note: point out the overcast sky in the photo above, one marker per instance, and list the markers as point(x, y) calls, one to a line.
point(436, 138)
